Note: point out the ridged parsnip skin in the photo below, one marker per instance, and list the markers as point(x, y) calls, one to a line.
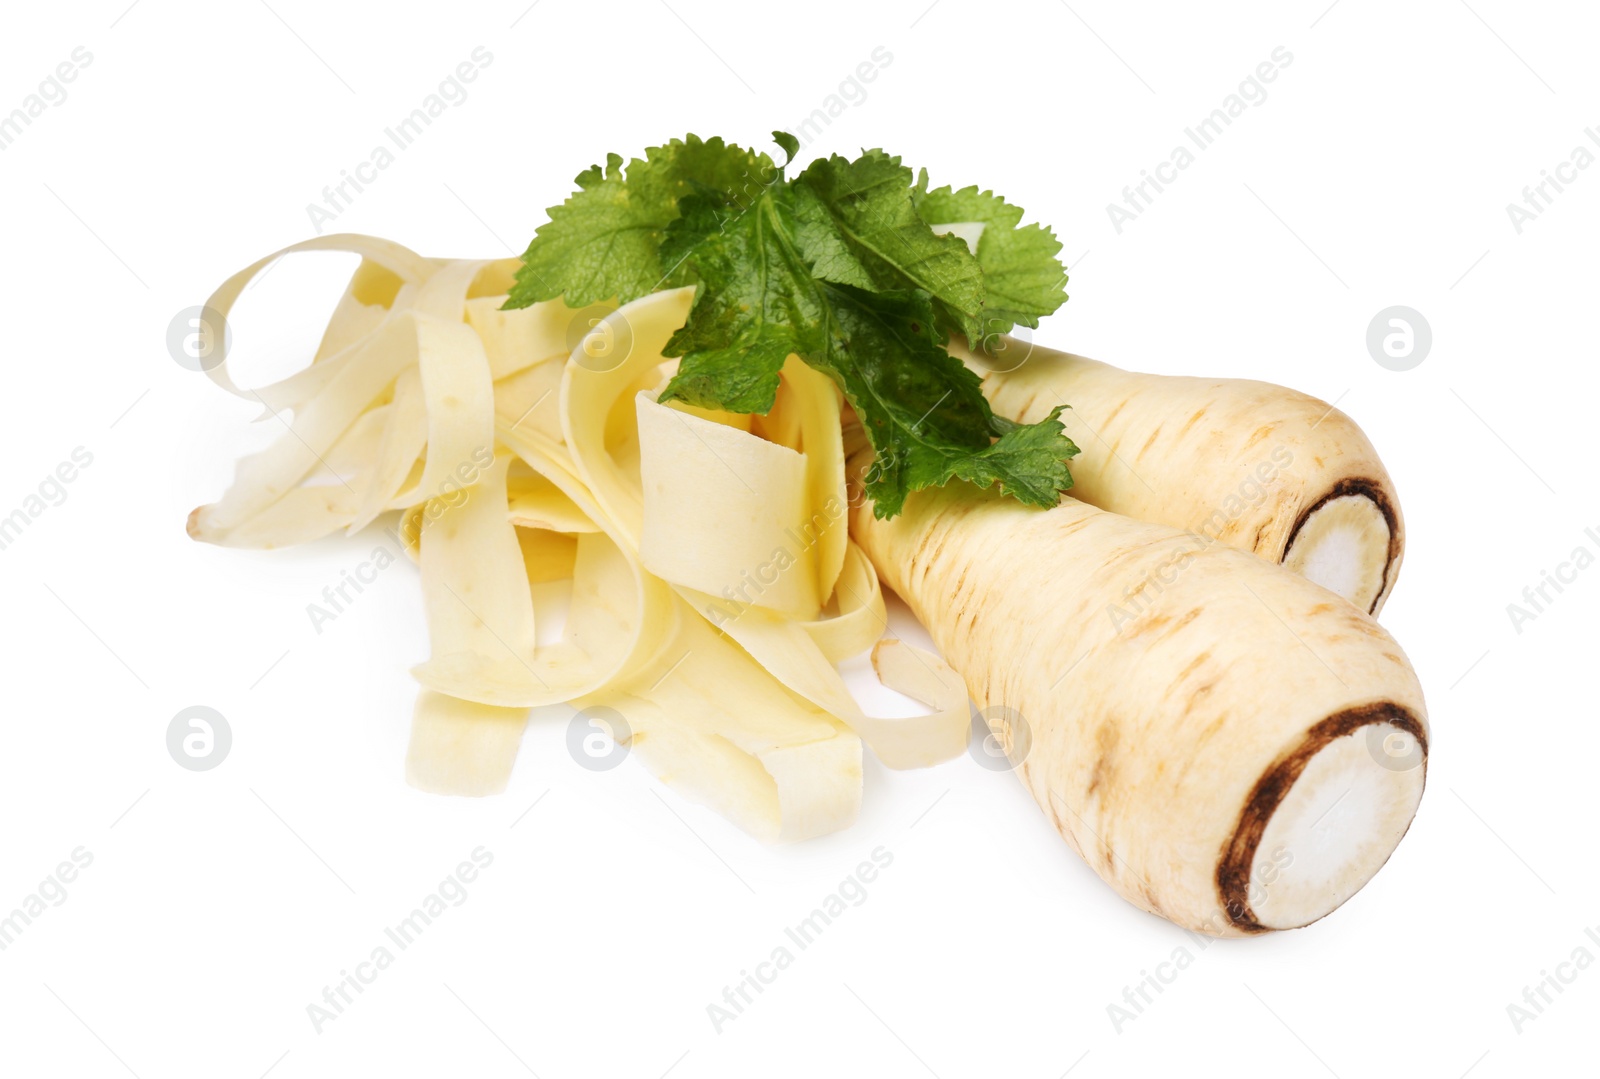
point(1162, 741)
point(1241, 461)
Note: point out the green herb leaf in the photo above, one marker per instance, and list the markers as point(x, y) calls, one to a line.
point(838, 266)
point(858, 227)
point(605, 241)
point(924, 412)
point(1023, 279)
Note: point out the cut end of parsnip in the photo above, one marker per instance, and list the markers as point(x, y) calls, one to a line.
point(1324, 819)
point(1345, 543)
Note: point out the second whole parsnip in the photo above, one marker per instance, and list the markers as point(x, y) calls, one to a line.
point(1250, 464)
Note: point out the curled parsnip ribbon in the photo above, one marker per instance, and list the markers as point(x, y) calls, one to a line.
point(691, 456)
point(712, 586)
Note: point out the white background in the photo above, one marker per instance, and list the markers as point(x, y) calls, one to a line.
point(219, 904)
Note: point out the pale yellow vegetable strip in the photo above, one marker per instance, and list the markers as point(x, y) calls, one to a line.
point(353, 453)
point(459, 397)
point(365, 303)
point(461, 747)
point(520, 338)
point(700, 767)
point(817, 400)
point(789, 653)
point(405, 432)
point(709, 688)
point(410, 530)
point(752, 491)
point(782, 423)
point(555, 674)
point(640, 330)
point(495, 279)
point(787, 794)
point(530, 400)
point(480, 612)
point(303, 515)
point(264, 478)
point(547, 556)
point(402, 262)
point(356, 318)
point(444, 294)
point(605, 617)
point(739, 421)
point(861, 617)
point(352, 322)
point(535, 502)
point(917, 673)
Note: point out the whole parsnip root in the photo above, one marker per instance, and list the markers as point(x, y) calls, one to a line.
point(1254, 465)
point(1244, 755)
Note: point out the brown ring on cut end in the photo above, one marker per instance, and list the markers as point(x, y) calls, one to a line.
point(1373, 492)
point(1236, 866)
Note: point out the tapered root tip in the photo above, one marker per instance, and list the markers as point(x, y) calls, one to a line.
point(1324, 819)
point(1347, 543)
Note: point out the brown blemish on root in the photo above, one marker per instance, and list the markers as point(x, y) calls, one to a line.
point(1194, 613)
point(1105, 738)
point(1239, 853)
point(1148, 898)
point(1255, 544)
point(1193, 664)
point(1372, 490)
point(1260, 435)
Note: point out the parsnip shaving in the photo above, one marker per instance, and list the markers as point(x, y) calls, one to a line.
point(482, 632)
point(405, 433)
point(535, 502)
point(721, 537)
point(916, 672)
point(530, 400)
point(713, 586)
point(461, 747)
point(817, 402)
point(301, 516)
point(547, 556)
point(515, 340)
point(459, 396)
